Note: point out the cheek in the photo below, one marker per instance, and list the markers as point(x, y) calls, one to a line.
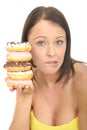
point(36, 56)
point(61, 52)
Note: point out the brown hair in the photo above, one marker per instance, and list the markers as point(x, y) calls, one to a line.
point(56, 16)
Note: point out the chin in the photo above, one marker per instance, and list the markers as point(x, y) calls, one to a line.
point(50, 72)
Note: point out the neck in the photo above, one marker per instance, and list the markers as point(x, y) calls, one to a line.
point(46, 80)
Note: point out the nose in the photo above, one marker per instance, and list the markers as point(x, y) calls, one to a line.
point(50, 50)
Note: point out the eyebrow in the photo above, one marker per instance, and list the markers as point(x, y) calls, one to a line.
point(40, 37)
point(46, 37)
point(60, 37)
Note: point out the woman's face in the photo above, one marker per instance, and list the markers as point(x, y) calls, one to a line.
point(48, 46)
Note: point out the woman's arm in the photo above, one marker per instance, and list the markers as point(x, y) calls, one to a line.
point(21, 119)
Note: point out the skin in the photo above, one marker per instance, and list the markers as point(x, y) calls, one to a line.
point(59, 103)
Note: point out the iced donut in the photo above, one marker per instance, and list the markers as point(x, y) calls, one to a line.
point(18, 56)
point(24, 75)
point(15, 83)
point(17, 66)
point(18, 46)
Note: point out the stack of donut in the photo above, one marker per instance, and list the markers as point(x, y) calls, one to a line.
point(18, 64)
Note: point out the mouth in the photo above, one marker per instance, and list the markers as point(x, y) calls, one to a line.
point(52, 63)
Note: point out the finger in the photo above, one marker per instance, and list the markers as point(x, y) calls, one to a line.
point(11, 89)
point(6, 78)
point(19, 88)
point(28, 89)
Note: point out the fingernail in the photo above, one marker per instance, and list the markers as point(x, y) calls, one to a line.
point(10, 88)
point(27, 86)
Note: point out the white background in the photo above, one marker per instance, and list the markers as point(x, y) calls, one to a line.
point(12, 16)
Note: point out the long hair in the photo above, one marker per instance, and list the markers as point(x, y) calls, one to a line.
point(56, 16)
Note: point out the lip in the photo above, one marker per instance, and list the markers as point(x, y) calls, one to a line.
point(52, 63)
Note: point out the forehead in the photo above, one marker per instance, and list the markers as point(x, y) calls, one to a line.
point(48, 28)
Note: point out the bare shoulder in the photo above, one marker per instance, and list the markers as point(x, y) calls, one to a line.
point(81, 72)
point(80, 82)
point(80, 66)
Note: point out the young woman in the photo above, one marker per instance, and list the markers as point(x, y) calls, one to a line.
point(57, 99)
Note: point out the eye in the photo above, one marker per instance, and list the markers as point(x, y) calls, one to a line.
point(41, 43)
point(59, 42)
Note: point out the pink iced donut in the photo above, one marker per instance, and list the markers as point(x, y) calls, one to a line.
point(18, 56)
point(15, 83)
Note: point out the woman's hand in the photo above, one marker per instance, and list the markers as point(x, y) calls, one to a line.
point(27, 89)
